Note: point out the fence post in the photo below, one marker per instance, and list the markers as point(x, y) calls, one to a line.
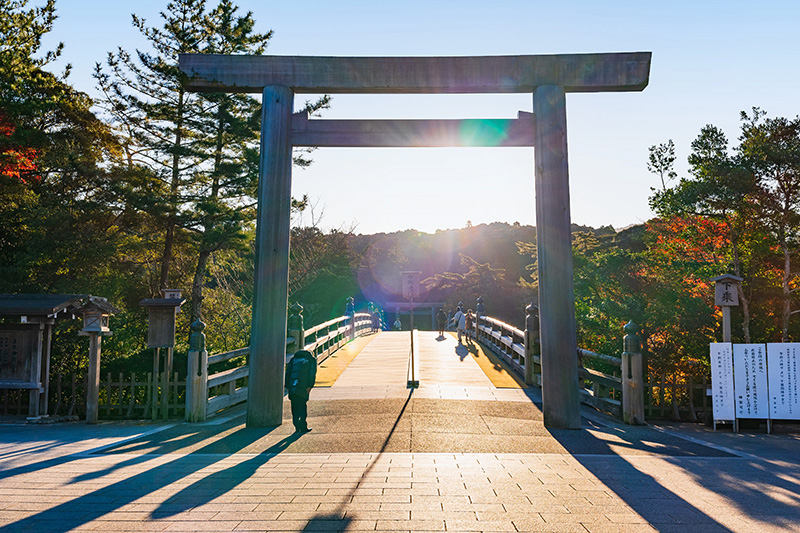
point(632, 377)
point(350, 311)
point(531, 343)
point(295, 329)
point(197, 374)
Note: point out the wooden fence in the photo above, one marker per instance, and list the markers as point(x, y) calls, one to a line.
point(125, 397)
point(210, 391)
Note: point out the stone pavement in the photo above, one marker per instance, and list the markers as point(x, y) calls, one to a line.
point(444, 457)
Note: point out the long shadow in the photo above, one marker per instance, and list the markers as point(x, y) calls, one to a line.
point(462, 351)
point(337, 520)
point(220, 482)
point(91, 506)
point(663, 508)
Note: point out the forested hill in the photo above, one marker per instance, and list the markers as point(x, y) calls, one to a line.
point(475, 253)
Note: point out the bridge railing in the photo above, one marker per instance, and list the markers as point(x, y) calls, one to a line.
point(605, 388)
point(506, 341)
point(620, 392)
point(209, 392)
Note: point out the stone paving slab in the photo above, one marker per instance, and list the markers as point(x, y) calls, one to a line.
point(445, 457)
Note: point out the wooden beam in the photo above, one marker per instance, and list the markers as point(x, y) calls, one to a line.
point(558, 340)
point(412, 133)
point(628, 71)
point(268, 333)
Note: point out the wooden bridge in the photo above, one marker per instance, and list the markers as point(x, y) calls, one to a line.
point(499, 362)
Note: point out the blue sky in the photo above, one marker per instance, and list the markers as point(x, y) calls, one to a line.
point(711, 60)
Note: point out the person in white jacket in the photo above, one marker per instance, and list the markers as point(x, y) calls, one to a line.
point(460, 320)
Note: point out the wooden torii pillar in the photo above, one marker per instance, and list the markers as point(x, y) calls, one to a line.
point(547, 77)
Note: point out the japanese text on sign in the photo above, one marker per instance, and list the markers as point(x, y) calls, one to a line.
point(750, 380)
point(722, 381)
point(783, 360)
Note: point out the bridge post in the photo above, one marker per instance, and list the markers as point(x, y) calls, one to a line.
point(268, 338)
point(532, 348)
point(559, 344)
point(350, 311)
point(296, 329)
point(632, 376)
point(197, 374)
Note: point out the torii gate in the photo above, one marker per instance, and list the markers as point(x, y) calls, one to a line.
point(547, 77)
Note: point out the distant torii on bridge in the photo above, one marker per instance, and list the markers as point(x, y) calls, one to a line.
point(547, 77)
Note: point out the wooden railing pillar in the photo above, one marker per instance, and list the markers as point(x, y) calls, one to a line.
point(350, 311)
point(295, 329)
point(532, 347)
point(197, 374)
point(632, 377)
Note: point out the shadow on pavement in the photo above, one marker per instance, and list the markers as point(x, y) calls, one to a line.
point(79, 511)
point(749, 486)
point(337, 520)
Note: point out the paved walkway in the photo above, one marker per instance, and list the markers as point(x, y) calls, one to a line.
point(446, 457)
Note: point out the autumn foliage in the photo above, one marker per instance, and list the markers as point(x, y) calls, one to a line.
point(16, 162)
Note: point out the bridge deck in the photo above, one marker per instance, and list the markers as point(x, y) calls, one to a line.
point(448, 370)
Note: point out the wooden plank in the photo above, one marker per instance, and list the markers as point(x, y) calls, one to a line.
point(598, 377)
point(222, 401)
point(13, 384)
point(228, 375)
point(412, 133)
point(220, 357)
point(417, 75)
point(603, 404)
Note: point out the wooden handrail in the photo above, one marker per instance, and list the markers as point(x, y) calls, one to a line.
point(321, 345)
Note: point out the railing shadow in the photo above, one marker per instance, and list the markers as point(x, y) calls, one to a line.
point(666, 509)
point(79, 511)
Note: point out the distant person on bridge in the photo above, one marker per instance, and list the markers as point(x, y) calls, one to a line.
point(460, 321)
point(470, 324)
point(441, 321)
point(398, 325)
point(376, 322)
point(301, 372)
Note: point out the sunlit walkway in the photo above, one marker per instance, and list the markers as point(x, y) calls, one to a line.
point(447, 370)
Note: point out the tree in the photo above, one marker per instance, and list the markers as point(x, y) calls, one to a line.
point(722, 187)
point(771, 149)
point(661, 161)
point(145, 98)
point(197, 153)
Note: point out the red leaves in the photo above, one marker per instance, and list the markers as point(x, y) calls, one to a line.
point(16, 162)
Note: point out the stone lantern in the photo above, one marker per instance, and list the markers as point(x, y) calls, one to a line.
point(95, 312)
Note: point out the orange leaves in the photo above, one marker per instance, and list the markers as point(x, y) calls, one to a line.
point(16, 162)
point(690, 238)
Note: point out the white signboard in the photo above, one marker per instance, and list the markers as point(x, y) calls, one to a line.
point(410, 284)
point(722, 381)
point(784, 373)
point(750, 380)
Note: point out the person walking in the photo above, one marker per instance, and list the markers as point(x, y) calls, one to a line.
point(301, 372)
point(441, 321)
point(397, 324)
point(460, 321)
point(470, 325)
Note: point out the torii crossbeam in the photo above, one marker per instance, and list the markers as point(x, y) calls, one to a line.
point(547, 77)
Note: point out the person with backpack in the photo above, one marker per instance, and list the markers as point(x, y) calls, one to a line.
point(441, 321)
point(301, 372)
point(460, 321)
point(470, 323)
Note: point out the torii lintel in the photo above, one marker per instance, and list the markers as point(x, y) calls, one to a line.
point(628, 71)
